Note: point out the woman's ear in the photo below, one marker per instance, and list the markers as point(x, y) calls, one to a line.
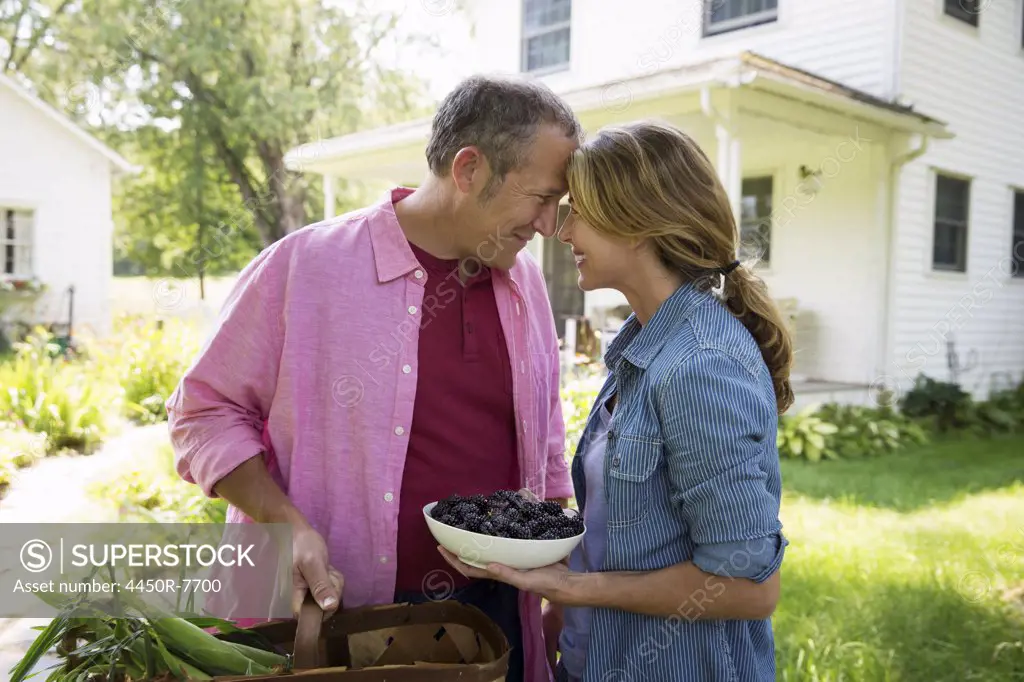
point(642, 245)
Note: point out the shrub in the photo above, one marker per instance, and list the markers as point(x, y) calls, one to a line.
point(946, 405)
point(1002, 412)
point(806, 435)
point(147, 359)
point(870, 431)
point(833, 431)
point(45, 393)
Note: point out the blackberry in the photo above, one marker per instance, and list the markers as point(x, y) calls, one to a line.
point(540, 526)
point(465, 509)
point(505, 513)
point(518, 531)
point(551, 507)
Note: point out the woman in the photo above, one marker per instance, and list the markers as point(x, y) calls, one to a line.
point(677, 470)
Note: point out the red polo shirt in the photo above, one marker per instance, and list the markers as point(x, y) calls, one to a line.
point(463, 435)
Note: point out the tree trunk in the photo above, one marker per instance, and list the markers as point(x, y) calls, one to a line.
point(287, 193)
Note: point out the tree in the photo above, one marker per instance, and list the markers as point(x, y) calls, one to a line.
point(241, 81)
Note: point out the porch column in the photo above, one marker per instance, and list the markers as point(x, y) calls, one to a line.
point(735, 184)
point(329, 196)
point(725, 116)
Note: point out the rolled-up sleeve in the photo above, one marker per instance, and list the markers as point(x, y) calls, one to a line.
point(216, 413)
point(719, 432)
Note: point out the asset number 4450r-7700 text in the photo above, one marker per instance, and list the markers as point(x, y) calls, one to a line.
point(173, 585)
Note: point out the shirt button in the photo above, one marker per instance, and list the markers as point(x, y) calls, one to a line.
point(388, 497)
point(522, 367)
point(418, 274)
point(383, 559)
point(399, 430)
point(406, 368)
point(412, 310)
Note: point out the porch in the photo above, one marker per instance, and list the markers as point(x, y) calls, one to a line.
point(809, 165)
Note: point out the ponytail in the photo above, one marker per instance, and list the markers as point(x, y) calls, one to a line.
point(747, 298)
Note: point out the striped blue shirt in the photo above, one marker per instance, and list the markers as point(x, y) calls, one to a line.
point(691, 473)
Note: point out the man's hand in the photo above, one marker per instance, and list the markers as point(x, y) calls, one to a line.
point(312, 572)
point(554, 621)
point(251, 488)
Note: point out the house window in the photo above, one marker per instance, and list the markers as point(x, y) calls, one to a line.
point(756, 220)
point(546, 34)
point(1017, 247)
point(721, 16)
point(966, 11)
point(952, 206)
point(16, 242)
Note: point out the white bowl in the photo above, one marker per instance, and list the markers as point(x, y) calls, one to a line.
point(479, 549)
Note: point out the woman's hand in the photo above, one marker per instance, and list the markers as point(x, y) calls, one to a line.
point(556, 582)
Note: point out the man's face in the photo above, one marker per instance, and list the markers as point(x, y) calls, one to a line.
point(526, 203)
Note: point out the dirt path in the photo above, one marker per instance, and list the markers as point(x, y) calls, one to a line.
point(55, 490)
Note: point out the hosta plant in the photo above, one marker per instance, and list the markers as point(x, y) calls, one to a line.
point(806, 435)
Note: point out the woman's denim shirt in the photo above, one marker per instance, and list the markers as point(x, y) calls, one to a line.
point(691, 474)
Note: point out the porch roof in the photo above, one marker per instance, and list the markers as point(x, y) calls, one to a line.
point(399, 149)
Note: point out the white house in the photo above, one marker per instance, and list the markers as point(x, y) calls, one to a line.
point(55, 215)
point(874, 152)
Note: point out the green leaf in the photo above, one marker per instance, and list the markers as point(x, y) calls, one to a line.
point(53, 633)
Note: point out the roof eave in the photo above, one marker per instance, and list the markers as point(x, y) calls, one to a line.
point(903, 121)
point(118, 162)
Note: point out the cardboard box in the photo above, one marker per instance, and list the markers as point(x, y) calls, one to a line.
point(431, 642)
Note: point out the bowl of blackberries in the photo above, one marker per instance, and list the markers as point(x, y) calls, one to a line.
point(505, 527)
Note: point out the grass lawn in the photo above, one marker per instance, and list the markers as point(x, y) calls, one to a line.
point(909, 567)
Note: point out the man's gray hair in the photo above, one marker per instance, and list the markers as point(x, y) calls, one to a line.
point(500, 116)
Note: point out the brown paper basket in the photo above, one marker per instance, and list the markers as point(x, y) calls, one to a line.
point(431, 642)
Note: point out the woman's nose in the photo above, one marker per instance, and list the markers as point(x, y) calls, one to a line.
point(564, 232)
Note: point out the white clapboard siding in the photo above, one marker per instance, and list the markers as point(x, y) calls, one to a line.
point(974, 79)
point(847, 41)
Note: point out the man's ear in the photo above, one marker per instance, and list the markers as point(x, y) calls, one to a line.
point(469, 170)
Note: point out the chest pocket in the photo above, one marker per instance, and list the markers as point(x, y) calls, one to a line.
point(634, 460)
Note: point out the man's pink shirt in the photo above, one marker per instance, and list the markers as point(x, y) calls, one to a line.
point(315, 362)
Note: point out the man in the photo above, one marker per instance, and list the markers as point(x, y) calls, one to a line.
point(374, 362)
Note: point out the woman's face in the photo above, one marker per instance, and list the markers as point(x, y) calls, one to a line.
point(604, 261)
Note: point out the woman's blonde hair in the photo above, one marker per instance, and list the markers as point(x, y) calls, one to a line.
point(649, 180)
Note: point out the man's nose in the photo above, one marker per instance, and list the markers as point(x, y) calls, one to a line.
point(547, 222)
